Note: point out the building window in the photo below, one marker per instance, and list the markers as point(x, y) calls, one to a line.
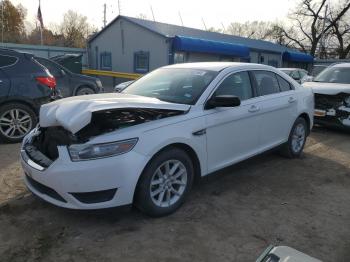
point(262, 59)
point(179, 58)
point(106, 61)
point(141, 62)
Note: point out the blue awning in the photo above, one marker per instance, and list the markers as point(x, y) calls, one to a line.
point(190, 44)
point(297, 57)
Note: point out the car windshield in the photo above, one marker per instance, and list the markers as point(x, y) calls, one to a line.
point(339, 75)
point(175, 85)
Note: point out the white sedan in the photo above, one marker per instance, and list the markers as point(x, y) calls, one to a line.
point(147, 144)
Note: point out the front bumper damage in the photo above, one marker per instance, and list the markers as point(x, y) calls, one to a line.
point(96, 184)
point(332, 110)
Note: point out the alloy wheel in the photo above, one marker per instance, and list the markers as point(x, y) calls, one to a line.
point(168, 183)
point(15, 123)
point(298, 138)
point(85, 91)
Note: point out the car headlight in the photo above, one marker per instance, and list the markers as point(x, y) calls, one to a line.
point(347, 101)
point(80, 152)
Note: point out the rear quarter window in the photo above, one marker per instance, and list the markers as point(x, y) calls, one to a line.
point(284, 84)
point(6, 61)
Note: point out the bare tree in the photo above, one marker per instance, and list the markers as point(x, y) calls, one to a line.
point(307, 24)
point(75, 29)
point(216, 30)
point(340, 31)
point(142, 16)
point(255, 30)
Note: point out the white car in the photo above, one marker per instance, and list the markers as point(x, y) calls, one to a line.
point(284, 254)
point(332, 96)
point(298, 74)
point(147, 144)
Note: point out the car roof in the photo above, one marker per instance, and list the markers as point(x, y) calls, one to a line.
point(13, 52)
point(288, 69)
point(219, 66)
point(341, 65)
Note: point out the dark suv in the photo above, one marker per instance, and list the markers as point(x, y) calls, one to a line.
point(25, 85)
point(71, 84)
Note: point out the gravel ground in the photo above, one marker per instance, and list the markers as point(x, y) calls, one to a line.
point(232, 215)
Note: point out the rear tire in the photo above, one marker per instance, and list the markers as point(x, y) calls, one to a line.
point(165, 183)
point(293, 148)
point(16, 121)
point(85, 90)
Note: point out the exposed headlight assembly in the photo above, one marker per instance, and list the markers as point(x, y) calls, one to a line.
point(347, 101)
point(80, 152)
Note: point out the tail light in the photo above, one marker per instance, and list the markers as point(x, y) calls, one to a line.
point(48, 81)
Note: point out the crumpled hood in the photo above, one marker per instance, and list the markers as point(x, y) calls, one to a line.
point(74, 113)
point(328, 88)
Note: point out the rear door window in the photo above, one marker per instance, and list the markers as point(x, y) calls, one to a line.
point(266, 83)
point(284, 84)
point(6, 61)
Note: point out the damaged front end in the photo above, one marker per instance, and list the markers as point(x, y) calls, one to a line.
point(42, 147)
point(333, 109)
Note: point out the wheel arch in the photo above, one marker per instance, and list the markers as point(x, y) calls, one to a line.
point(306, 117)
point(23, 102)
point(186, 148)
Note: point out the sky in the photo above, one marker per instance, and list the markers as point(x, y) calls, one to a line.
point(216, 13)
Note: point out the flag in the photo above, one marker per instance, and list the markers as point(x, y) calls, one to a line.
point(40, 17)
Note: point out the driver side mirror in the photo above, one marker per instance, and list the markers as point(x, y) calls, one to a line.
point(223, 101)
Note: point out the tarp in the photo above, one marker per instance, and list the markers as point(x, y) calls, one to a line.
point(190, 44)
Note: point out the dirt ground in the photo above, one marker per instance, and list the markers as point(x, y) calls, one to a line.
point(232, 215)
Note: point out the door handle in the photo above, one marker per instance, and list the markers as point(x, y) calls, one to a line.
point(253, 109)
point(292, 99)
point(0, 81)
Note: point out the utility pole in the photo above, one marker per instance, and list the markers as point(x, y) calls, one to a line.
point(223, 27)
point(119, 12)
point(205, 26)
point(152, 14)
point(104, 15)
point(41, 27)
point(2, 21)
point(322, 44)
point(182, 23)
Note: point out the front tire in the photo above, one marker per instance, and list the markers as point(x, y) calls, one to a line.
point(16, 121)
point(165, 183)
point(297, 139)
